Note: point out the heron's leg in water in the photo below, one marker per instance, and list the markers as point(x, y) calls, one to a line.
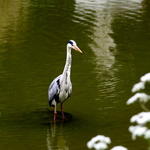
point(55, 112)
point(61, 108)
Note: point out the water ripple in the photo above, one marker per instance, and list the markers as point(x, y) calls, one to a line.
point(100, 15)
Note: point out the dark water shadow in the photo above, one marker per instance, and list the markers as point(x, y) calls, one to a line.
point(40, 116)
point(46, 116)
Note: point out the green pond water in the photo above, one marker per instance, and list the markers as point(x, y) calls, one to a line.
point(115, 39)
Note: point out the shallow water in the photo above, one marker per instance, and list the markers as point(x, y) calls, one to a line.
point(114, 37)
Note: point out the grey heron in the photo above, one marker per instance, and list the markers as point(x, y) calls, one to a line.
point(61, 87)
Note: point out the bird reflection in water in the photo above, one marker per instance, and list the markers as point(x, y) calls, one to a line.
point(55, 138)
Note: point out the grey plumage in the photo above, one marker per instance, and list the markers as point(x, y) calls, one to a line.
point(54, 91)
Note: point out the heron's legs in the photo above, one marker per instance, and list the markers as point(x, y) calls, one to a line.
point(55, 113)
point(61, 108)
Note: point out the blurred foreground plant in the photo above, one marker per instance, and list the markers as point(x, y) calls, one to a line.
point(142, 95)
point(142, 90)
point(142, 129)
point(100, 142)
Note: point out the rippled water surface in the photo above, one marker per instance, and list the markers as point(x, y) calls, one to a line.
point(114, 37)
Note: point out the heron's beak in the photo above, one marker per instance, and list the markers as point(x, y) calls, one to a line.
point(77, 48)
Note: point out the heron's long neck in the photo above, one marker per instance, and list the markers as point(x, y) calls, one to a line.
point(67, 68)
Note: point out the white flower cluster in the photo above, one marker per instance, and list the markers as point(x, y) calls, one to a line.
point(119, 148)
point(145, 78)
point(141, 85)
point(140, 131)
point(101, 142)
point(142, 119)
point(142, 97)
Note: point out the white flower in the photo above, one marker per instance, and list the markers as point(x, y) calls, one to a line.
point(142, 97)
point(141, 118)
point(99, 142)
point(145, 78)
point(100, 146)
point(147, 134)
point(137, 131)
point(119, 148)
point(139, 86)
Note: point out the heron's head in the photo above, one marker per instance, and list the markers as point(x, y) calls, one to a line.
point(72, 44)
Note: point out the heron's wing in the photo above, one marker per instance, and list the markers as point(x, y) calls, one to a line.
point(54, 89)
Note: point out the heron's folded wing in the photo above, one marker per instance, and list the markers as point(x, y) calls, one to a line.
point(54, 88)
